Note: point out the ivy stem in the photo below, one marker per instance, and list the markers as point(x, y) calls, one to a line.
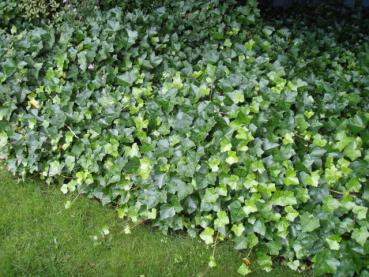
point(71, 203)
point(75, 198)
point(70, 129)
point(215, 243)
point(335, 191)
point(135, 225)
point(216, 240)
point(248, 254)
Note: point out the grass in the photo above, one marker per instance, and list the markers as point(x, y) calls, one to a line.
point(39, 237)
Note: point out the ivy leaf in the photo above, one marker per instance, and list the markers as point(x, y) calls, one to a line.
point(309, 222)
point(259, 227)
point(352, 151)
point(127, 78)
point(325, 262)
point(301, 123)
point(64, 188)
point(291, 180)
point(214, 164)
point(284, 198)
point(68, 204)
point(182, 122)
point(356, 123)
point(167, 211)
point(207, 235)
point(212, 262)
point(342, 140)
point(250, 207)
point(222, 219)
point(3, 139)
point(237, 96)
point(82, 60)
point(312, 179)
point(333, 242)
point(252, 240)
point(55, 168)
point(353, 185)
point(360, 212)
point(145, 168)
point(151, 214)
point(238, 229)
point(211, 195)
point(360, 235)
point(319, 141)
point(244, 270)
point(291, 213)
point(264, 260)
point(133, 151)
point(132, 36)
point(127, 230)
point(232, 158)
point(225, 146)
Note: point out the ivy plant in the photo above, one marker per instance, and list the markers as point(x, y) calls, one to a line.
point(200, 116)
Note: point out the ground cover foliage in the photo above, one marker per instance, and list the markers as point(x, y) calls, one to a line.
point(201, 116)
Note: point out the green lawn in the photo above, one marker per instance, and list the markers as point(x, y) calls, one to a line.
point(39, 237)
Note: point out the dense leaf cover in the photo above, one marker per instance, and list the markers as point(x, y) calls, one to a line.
point(50, 11)
point(198, 116)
